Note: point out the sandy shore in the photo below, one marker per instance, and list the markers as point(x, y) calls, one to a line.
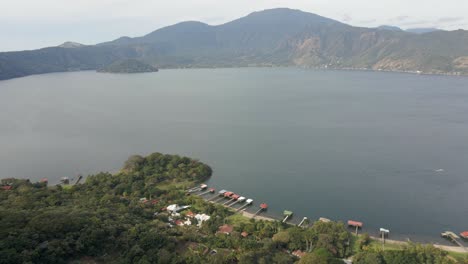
point(258, 217)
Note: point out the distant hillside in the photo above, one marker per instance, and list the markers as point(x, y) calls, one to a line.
point(393, 28)
point(422, 30)
point(128, 66)
point(276, 37)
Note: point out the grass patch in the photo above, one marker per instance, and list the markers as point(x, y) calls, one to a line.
point(237, 220)
point(460, 257)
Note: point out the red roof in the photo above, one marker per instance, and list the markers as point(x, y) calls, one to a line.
point(7, 187)
point(226, 229)
point(235, 196)
point(464, 234)
point(263, 206)
point(244, 234)
point(355, 223)
point(179, 222)
point(228, 194)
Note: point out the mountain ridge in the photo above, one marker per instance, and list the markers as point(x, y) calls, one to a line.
point(274, 37)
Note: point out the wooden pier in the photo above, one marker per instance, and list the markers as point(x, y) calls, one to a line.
point(263, 207)
point(239, 200)
point(355, 224)
point(211, 190)
point(304, 220)
point(247, 203)
point(453, 237)
point(287, 214)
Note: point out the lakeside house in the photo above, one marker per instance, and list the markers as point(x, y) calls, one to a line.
point(225, 229)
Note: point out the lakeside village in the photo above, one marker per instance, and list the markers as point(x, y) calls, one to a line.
point(181, 215)
point(149, 212)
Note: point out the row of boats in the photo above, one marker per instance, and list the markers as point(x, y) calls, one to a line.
point(233, 198)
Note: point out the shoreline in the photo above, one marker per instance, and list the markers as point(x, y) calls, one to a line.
point(318, 68)
point(456, 249)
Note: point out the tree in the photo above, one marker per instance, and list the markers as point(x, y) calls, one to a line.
point(319, 256)
point(282, 238)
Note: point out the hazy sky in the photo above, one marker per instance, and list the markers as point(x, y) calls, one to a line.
point(30, 24)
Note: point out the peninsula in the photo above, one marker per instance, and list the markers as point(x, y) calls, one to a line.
point(150, 212)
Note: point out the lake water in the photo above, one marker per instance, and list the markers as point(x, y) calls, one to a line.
point(387, 149)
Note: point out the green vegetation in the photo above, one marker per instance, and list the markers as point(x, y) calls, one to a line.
point(128, 66)
point(277, 37)
point(122, 218)
point(409, 254)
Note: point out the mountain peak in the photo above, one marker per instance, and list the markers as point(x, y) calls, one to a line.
point(391, 28)
point(279, 14)
point(71, 45)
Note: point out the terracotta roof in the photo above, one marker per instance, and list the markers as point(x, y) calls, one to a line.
point(464, 234)
point(263, 206)
point(225, 229)
point(244, 234)
point(298, 253)
point(355, 223)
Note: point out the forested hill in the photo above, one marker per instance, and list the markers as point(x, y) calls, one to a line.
point(128, 66)
point(282, 37)
point(126, 218)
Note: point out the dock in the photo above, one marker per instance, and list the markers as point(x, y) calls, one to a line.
point(210, 190)
point(239, 200)
point(247, 203)
point(233, 197)
point(199, 188)
point(355, 224)
point(263, 207)
point(453, 237)
point(229, 199)
point(304, 220)
point(287, 214)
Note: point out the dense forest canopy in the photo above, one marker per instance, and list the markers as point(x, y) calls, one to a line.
point(123, 218)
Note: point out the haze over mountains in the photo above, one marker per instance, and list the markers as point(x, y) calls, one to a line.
point(275, 37)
